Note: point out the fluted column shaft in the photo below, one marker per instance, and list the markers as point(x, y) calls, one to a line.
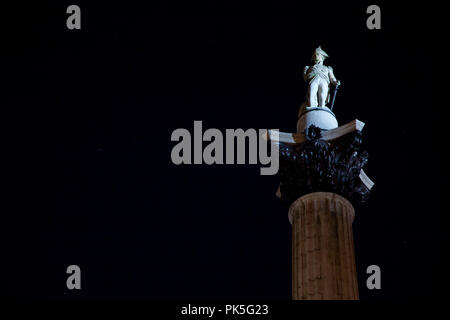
point(323, 259)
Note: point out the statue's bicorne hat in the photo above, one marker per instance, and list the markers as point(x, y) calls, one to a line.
point(321, 52)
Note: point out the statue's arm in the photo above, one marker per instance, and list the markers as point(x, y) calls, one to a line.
point(305, 73)
point(333, 79)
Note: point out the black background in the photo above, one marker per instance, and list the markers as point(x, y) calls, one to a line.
point(87, 116)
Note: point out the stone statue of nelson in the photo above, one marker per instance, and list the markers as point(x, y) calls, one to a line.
point(318, 77)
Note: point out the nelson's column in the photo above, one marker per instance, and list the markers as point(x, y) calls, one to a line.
point(321, 175)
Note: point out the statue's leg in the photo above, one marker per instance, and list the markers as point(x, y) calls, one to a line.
point(323, 93)
point(313, 88)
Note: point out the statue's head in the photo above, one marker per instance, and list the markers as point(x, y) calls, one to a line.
point(319, 55)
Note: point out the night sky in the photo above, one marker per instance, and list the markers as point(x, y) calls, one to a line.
point(87, 116)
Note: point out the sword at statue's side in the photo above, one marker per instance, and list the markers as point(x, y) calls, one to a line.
point(335, 89)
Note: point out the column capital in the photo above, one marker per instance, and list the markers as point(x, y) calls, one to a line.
point(319, 165)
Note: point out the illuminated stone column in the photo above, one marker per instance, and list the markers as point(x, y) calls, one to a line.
point(321, 175)
point(323, 259)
